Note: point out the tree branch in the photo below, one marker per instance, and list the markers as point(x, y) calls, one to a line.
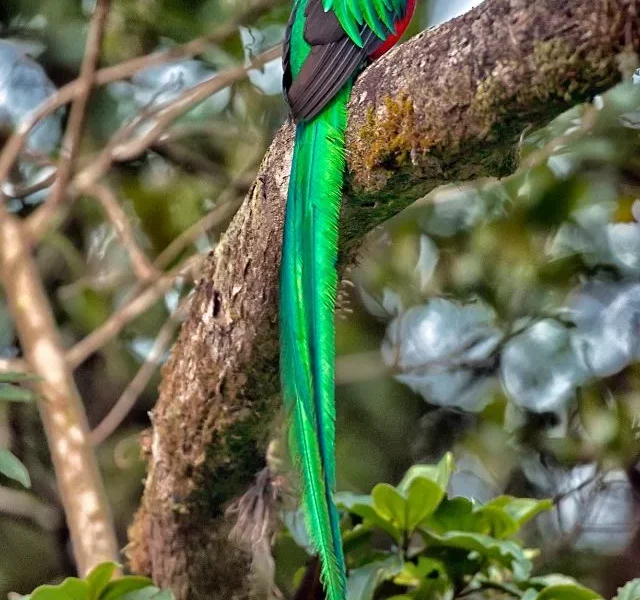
point(11, 149)
point(446, 106)
point(65, 423)
point(77, 115)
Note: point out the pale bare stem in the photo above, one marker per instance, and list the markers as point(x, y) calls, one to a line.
point(67, 93)
point(125, 145)
point(223, 33)
point(13, 365)
point(25, 505)
point(61, 409)
point(130, 146)
point(129, 397)
point(77, 117)
point(140, 263)
point(130, 311)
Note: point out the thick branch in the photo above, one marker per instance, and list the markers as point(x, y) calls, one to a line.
point(446, 106)
point(65, 423)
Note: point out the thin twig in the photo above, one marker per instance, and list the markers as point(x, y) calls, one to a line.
point(77, 117)
point(133, 309)
point(132, 145)
point(140, 264)
point(13, 365)
point(124, 145)
point(129, 397)
point(61, 408)
point(25, 505)
point(192, 48)
point(67, 93)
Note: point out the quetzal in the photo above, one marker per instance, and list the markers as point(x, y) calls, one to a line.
point(326, 43)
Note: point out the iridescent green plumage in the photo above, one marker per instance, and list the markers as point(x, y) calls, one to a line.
point(307, 295)
point(318, 82)
point(378, 15)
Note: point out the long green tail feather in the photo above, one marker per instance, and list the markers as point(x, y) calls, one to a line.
point(308, 283)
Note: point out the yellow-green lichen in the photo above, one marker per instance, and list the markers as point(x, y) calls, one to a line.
point(387, 139)
point(554, 72)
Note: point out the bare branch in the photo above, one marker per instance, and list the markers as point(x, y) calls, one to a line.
point(449, 105)
point(119, 320)
point(25, 505)
point(226, 206)
point(198, 46)
point(140, 264)
point(13, 365)
point(125, 145)
point(85, 504)
point(67, 93)
point(77, 117)
point(129, 397)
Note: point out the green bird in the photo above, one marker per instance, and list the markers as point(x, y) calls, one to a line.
point(326, 43)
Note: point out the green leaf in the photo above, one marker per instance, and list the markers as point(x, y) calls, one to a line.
point(346, 500)
point(362, 582)
point(530, 594)
point(99, 577)
point(14, 393)
point(423, 498)
point(12, 468)
point(504, 552)
point(372, 519)
point(460, 514)
point(567, 592)
point(119, 588)
point(630, 591)
point(148, 593)
point(390, 505)
point(542, 581)
point(71, 588)
point(14, 377)
point(521, 509)
point(494, 521)
point(412, 575)
point(439, 474)
point(452, 514)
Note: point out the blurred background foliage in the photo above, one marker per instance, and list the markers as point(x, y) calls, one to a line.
point(498, 320)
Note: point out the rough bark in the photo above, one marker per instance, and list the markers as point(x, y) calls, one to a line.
point(446, 106)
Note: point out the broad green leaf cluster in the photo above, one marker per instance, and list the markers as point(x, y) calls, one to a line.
point(442, 547)
point(101, 585)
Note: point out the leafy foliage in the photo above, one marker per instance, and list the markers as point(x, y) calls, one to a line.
point(441, 546)
point(100, 585)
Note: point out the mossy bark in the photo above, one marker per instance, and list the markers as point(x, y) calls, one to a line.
point(448, 105)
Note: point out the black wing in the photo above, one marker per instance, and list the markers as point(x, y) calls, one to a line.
point(334, 58)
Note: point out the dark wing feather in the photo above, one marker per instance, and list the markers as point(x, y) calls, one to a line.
point(333, 59)
point(286, 57)
point(321, 27)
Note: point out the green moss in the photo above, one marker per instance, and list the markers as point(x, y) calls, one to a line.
point(402, 152)
point(237, 453)
point(553, 74)
point(390, 139)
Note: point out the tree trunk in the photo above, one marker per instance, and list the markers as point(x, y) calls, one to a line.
point(448, 105)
